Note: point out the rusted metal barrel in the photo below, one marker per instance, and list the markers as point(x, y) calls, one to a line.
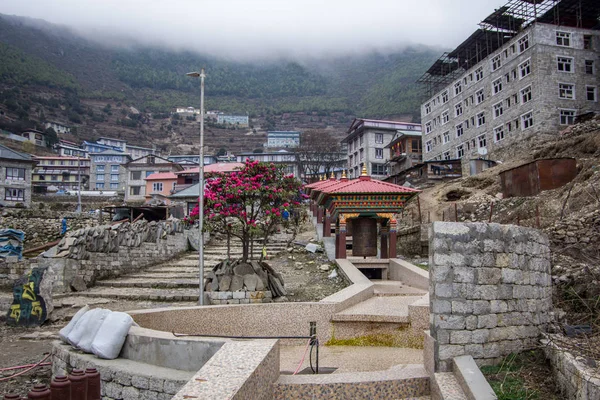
point(39, 392)
point(78, 385)
point(60, 388)
point(93, 384)
point(364, 237)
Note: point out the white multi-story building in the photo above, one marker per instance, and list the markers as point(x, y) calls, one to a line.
point(283, 139)
point(58, 128)
point(526, 71)
point(366, 141)
point(239, 120)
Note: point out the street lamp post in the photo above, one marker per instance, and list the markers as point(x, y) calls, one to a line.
point(201, 75)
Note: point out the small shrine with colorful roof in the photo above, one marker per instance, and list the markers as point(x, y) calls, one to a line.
point(364, 209)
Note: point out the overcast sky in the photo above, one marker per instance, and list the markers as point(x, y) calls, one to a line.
point(258, 28)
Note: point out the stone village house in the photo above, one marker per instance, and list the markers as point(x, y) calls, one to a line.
point(15, 177)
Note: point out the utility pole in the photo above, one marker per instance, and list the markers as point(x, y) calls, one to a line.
point(201, 75)
point(78, 185)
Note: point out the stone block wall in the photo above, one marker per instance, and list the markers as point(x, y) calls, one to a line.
point(413, 241)
point(574, 379)
point(11, 271)
point(490, 290)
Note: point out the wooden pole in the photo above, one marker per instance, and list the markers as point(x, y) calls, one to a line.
point(518, 220)
point(428, 216)
point(455, 213)
point(443, 215)
point(42, 247)
point(537, 216)
point(491, 212)
point(419, 207)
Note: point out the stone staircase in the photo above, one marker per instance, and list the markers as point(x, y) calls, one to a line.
point(171, 281)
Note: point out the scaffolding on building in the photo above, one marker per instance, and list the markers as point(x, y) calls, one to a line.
point(503, 25)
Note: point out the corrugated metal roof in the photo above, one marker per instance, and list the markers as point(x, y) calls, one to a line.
point(161, 175)
point(11, 154)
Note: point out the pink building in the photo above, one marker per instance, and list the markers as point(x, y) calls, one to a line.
point(160, 185)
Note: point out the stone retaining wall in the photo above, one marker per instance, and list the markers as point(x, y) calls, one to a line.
point(490, 290)
point(42, 225)
point(573, 378)
point(412, 241)
point(11, 270)
point(240, 297)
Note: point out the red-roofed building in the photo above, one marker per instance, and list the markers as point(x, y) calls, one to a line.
point(161, 184)
point(366, 203)
point(190, 176)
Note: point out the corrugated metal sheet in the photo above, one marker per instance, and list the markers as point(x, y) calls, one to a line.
point(539, 175)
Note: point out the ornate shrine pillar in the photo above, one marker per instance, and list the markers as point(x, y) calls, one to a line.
point(340, 237)
point(327, 224)
point(392, 238)
point(384, 240)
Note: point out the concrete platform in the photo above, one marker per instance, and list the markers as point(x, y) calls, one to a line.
point(351, 358)
point(392, 309)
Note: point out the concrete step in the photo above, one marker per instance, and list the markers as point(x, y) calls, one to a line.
point(446, 386)
point(393, 309)
point(387, 288)
point(173, 283)
point(398, 382)
point(137, 294)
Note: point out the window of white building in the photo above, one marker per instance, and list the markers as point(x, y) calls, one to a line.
point(459, 130)
point(590, 93)
point(481, 119)
point(480, 96)
point(446, 136)
point(523, 43)
point(498, 109)
point(482, 140)
point(479, 74)
point(428, 146)
point(527, 120)
point(460, 151)
point(526, 94)
point(458, 109)
point(567, 117)
point(566, 91)
point(496, 62)
point(563, 39)
point(498, 133)
point(524, 68)
point(497, 86)
point(564, 64)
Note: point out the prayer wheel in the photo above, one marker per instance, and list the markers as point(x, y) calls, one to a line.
point(364, 237)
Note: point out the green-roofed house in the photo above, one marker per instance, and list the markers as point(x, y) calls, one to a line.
point(15, 178)
point(187, 197)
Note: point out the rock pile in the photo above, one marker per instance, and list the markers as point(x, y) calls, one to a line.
point(108, 238)
point(250, 276)
point(584, 231)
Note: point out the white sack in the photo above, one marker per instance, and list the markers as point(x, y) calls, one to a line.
point(64, 332)
point(93, 325)
point(86, 327)
point(111, 335)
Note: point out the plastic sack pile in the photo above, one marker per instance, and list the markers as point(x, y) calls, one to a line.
point(11, 243)
point(98, 331)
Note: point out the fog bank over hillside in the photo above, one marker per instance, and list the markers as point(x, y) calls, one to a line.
point(273, 29)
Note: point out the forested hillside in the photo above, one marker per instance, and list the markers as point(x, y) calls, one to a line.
point(35, 52)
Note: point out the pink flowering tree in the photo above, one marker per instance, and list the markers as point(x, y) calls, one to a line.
point(248, 203)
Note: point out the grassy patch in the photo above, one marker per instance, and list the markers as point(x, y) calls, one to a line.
point(524, 376)
point(405, 338)
point(423, 266)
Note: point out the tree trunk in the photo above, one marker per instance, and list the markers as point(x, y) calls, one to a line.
point(245, 246)
point(228, 244)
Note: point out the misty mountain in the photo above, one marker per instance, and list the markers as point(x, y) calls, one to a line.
point(34, 52)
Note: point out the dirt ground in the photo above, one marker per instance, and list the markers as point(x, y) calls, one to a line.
point(304, 276)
